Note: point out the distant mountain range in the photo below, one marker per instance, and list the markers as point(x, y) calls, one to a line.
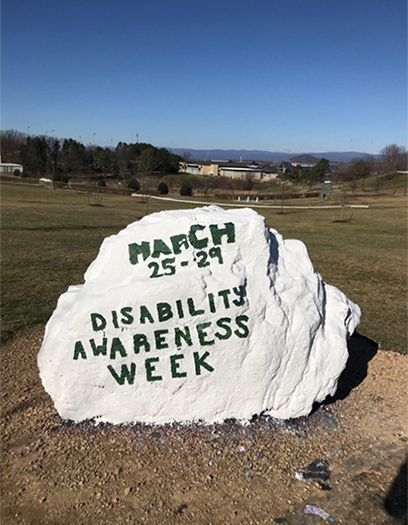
point(233, 154)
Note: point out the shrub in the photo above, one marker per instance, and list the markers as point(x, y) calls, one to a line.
point(162, 188)
point(186, 190)
point(16, 173)
point(60, 177)
point(102, 183)
point(133, 185)
point(247, 184)
point(24, 174)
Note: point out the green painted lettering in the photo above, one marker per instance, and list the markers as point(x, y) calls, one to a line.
point(212, 303)
point(175, 366)
point(224, 324)
point(179, 334)
point(127, 315)
point(164, 312)
point(218, 233)
point(115, 319)
point(145, 314)
point(98, 322)
point(244, 332)
point(117, 348)
point(138, 249)
point(202, 334)
point(199, 362)
point(79, 350)
point(140, 340)
point(160, 339)
point(177, 241)
point(192, 237)
point(191, 308)
point(160, 247)
point(224, 294)
point(99, 349)
point(125, 374)
point(180, 312)
point(240, 292)
point(150, 368)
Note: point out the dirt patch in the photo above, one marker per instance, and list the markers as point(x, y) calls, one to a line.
point(56, 472)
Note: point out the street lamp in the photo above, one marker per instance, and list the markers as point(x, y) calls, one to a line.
point(94, 135)
point(54, 161)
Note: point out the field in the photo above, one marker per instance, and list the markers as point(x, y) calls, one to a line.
point(50, 237)
point(57, 471)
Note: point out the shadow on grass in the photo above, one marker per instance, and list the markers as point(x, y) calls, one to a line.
point(396, 501)
point(361, 351)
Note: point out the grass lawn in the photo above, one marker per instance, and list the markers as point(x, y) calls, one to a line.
point(50, 237)
point(396, 184)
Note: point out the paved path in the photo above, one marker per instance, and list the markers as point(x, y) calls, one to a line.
point(251, 204)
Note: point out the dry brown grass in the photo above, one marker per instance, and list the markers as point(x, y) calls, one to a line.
point(50, 237)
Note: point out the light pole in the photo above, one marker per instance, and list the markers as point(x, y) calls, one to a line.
point(94, 135)
point(54, 161)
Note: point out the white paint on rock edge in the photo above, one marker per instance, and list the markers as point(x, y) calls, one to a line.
point(290, 352)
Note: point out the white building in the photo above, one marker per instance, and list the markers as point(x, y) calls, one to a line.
point(9, 168)
point(232, 170)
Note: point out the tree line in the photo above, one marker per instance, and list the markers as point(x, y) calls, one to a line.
point(41, 154)
point(392, 158)
point(62, 158)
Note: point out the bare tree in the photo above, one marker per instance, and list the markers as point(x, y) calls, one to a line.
point(403, 162)
point(12, 142)
point(393, 158)
point(249, 181)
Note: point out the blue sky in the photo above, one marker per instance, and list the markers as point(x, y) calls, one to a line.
point(287, 75)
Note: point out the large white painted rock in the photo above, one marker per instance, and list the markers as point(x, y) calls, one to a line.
point(201, 314)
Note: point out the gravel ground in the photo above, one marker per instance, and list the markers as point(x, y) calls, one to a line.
point(56, 472)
